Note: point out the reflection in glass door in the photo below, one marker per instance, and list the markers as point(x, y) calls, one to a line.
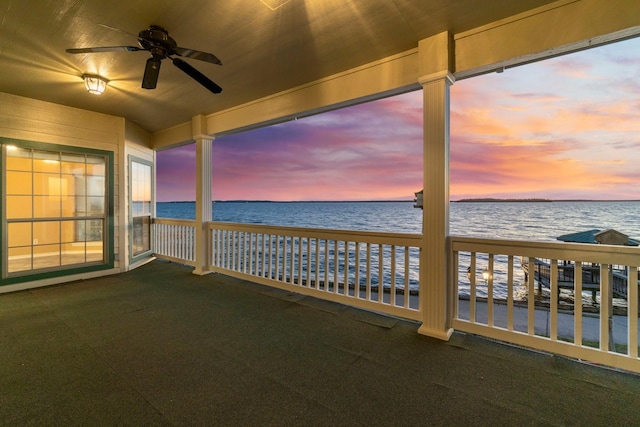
point(140, 185)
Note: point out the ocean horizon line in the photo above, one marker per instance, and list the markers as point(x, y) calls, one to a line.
point(465, 200)
point(295, 201)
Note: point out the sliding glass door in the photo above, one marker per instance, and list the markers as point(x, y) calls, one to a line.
point(141, 202)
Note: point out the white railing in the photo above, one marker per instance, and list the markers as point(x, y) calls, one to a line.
point(174, 240)
point(514, 291)
point(376, 271)
point(554, 308)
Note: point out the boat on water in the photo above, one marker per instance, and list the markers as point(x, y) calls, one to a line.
point(591, 273)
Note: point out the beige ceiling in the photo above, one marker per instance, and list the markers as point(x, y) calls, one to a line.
point(266, 46)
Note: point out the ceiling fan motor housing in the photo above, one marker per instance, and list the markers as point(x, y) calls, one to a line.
point(157, 40)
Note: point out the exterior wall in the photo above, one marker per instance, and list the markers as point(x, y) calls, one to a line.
point(44, 122)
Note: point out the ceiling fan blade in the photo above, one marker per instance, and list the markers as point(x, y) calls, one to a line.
point(103, 49)
point(196, 54)
point(151, 72)
point(196, 75)
point(109, 27)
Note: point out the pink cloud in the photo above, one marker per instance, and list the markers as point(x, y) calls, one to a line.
point(566, 127)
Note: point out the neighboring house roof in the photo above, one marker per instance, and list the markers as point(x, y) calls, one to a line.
point(596, 236)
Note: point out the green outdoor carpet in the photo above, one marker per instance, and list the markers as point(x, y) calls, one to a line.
point(162, 346)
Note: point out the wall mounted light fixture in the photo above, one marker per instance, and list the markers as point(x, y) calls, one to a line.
point(95, 84)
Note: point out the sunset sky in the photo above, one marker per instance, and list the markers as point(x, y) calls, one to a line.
point(564, 128)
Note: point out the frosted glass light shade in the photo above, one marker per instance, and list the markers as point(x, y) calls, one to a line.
point(95, 84)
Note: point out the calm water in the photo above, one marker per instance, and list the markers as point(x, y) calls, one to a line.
point(541, 221)
point(538, 221)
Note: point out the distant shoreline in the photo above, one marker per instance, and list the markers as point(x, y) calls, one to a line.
point(478, 200)
point(299, 201)
point(491, 199)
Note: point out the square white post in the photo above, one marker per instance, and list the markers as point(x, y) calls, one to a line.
point(435, 298)
point(204, 144)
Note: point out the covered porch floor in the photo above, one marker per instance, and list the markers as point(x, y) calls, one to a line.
point(162, 346)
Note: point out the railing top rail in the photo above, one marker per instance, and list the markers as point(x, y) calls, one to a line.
point(323, 233)
point(173, 221)
point(604, 254)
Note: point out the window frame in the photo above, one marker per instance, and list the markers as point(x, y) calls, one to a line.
point(108, 258)
point(134, 258)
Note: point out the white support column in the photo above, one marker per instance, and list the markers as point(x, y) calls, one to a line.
point(435, 298)
point(204, 210)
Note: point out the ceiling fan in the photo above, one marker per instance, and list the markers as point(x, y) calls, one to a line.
point(156, 40)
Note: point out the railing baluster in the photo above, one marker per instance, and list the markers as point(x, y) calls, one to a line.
point(237, 247)
point(316, 284)
point(295, 243)
point(218, 249)
point(285, 257)
point(239, 251)
point(308, 264)
point(165, 239)
point(175, 242)
point(555, 292)
point(577, 303)
point(407, 291)
point(346, 264)
point(531, 297)
point(605, 301)
point(168, 243)
point(238, 259)
point(290, 253)
point(227, 250)
point(252, 254)
point(490, 274)
point(356, 280)
point(300, 260)
point(392, 292)
point(510, 293)
point(326, 265)
point(472, 288)
point(380, 275)
point(245, 250)
point(263, 255)
point(277, 260)
point(172, 243)
point(368, 277)
point(287, 253)
point(632, 311)
point(180, 244)
point(270, 256)
point(335, 266)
